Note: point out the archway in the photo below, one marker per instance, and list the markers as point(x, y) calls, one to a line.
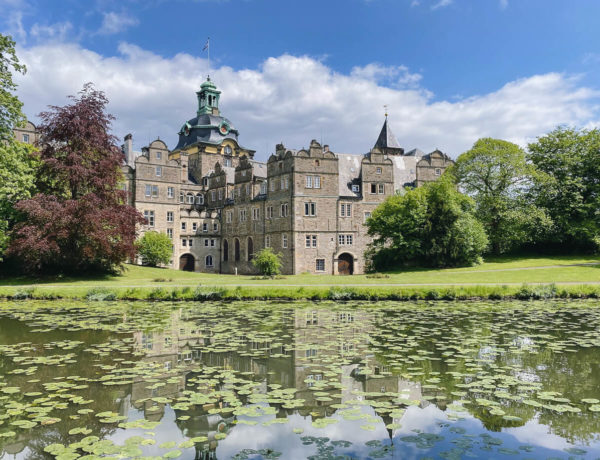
point(225, 251)
point(345, 264)
point(250, 249)
point(187, 263)
point(237, 250)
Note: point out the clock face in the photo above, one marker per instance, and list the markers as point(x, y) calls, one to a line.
point(224, 128)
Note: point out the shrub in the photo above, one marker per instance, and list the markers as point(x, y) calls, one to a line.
point(209, 293)
point(377, 275)
point(547, 291)
point(159, 294)
point(100, 294)
point(155, 249)
point(267, 262)
point(23, 294)
point(341, 294)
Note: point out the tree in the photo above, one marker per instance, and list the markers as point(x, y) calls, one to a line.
point(10, 105)
point(568, 187)
point(433, 225)
point(17, 182)
point(267, 262)
point(496, 174)
point(79, 220)
point(155, 248)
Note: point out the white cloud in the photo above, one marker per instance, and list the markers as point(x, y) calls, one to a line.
point(114, 23)
point(503, 4)
point(54, 32)
point(441, 4)
point(297, 98)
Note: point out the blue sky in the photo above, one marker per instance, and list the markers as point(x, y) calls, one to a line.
point(450, 70)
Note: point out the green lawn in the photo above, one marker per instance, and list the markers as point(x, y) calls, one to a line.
point(496, 271)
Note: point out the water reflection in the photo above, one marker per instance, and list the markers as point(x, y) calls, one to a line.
point(245, 381)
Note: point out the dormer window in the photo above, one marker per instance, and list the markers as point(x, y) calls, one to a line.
point(228, 150)
point(355, 188)
point(158, 155)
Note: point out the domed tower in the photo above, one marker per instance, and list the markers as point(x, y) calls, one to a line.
point(209, 138)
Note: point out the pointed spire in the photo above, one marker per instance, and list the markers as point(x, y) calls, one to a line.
point(386, 139)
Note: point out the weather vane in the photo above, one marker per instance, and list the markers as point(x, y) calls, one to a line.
point(386, 110)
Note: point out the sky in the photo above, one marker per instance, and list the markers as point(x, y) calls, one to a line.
point(449, 71)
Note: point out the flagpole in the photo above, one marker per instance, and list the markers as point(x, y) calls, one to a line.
point(208, 50)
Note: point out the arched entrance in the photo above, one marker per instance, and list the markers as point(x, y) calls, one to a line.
point(345, 264)
point(187, 263)
point(237, 250)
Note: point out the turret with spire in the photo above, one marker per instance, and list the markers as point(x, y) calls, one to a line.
point(387, 142)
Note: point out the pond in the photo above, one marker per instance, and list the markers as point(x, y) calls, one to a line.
point(259, 380)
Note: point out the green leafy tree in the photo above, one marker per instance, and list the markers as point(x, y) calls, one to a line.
point(155, 248)
point(433, 225)
point(17, 182)
point(10, 105)
point(267, 262)
point(569, 185)
point(496, 174)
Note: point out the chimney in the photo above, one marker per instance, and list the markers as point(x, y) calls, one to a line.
point(128, 150)
point(325, 148)
point(184, 167)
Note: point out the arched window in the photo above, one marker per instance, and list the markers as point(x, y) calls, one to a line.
point(209, 261)
point(225, 251)
point(237, 250)
point(190, 198)
point(199, 198)
point(250, 249)
point(228, 150)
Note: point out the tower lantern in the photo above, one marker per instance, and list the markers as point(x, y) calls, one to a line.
point(208, 98)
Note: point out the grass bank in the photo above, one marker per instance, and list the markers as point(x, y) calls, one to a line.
point(371, 293)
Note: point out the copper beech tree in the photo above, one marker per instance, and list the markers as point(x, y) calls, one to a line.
point(79, 220)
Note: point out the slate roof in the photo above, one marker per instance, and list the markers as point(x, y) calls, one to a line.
point(386, 139)
point(205, 128)
point(415, 152)
point(259, 169)
point(349, 167)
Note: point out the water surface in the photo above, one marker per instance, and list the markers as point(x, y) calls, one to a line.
point(299, 380)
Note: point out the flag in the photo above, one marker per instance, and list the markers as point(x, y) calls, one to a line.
point(206, 45)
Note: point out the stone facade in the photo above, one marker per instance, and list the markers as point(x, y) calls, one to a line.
point(220, 206)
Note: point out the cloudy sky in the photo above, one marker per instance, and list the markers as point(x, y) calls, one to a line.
point(450, 71)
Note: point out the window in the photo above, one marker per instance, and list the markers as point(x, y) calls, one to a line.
point(148, 190)
point(311, 241)
point(206, 242)
point(181, 197)
point(25, 137)
point(220, 194)
point(317, 182)
point(208, 261)
point(227, 160)
point(170, 233)
point(199, 198)
point(345, 240)
point(438, 172)
point(215, 227)
point(190, 198)
point(158, 155)
point(205, 181)
point(367, 215)
point(155, 191)
point(267, 241)
point(228, 215)
point(228, 150)
point(287, 182)
point(225, 251)
point(269, 212)
point(194, 226)
point(205, 227)
point(170, 192)
point(242, 215)
point(272, 185)
point(247, 189)
point(282, 183)
point(263, 188)
point(190, 243)
point(284, 210)
point(169, 216)
point(378, 170)
point(356, 188)
point(346, 210)
point(250, 247)
point(183, 226)
point(310, 209)
point(213, 195)
point(184, 242)
point(284, 241)
point(381, 189)
point(149, 216)
point(373, 188)
point(158, 171)
point(320, 265)
point(255, 213)
point(309, 183)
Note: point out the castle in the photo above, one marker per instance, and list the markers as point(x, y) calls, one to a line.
point(220, 206)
